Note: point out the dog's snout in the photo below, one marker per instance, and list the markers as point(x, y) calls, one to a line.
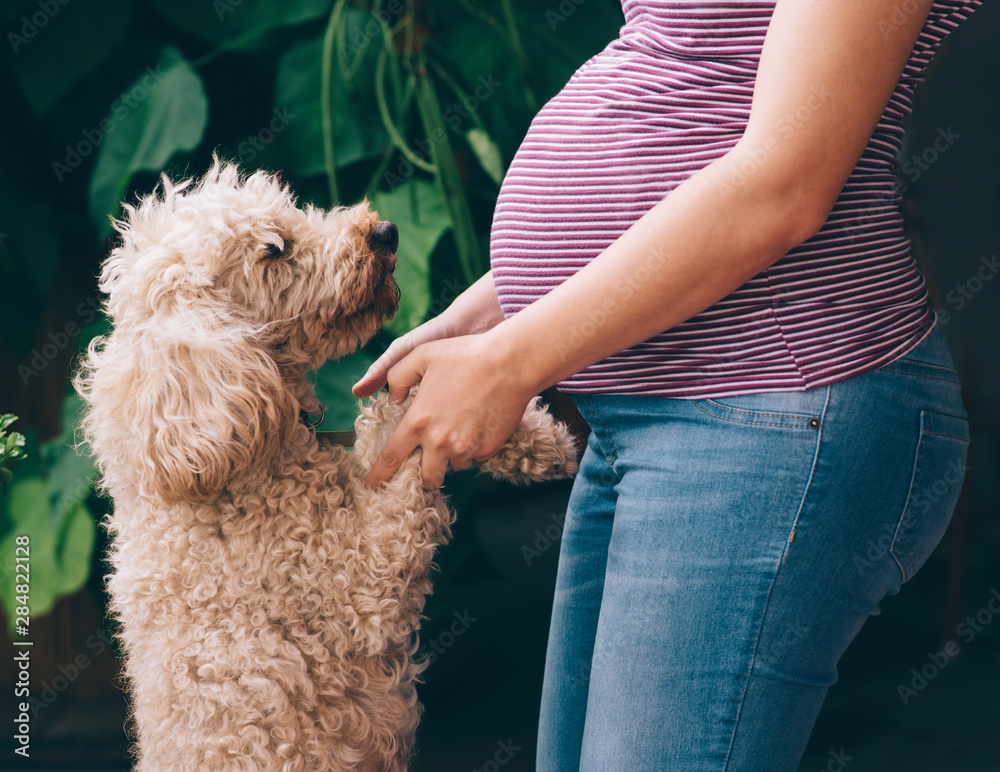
point(386, 237)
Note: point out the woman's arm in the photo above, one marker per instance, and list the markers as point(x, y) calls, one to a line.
point(475, 311)
point(722, 226)
point(826, 74)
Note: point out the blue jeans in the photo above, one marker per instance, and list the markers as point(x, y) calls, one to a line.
point(719, 555)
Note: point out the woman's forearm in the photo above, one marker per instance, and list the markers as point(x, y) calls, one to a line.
point(705, 239)
point(477, 309)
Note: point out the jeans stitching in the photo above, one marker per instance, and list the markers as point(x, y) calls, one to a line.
point(953, 436)
point(918, 375)
point(753, 412)
point(774, 579)
point(918, 363)
point(754, 423)
point(896, 545)
point(604, 428)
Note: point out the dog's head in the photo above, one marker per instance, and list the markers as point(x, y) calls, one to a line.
point(227, 250)
point(223, 294)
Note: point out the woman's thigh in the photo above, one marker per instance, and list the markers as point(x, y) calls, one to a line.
point(751, 538)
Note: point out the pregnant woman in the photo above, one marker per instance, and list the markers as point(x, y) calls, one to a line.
point(699, 240)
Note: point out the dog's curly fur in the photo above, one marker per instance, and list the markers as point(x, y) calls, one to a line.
point(268, 602)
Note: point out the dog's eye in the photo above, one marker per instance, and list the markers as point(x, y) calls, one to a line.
point(269, 250)
point(272, 251)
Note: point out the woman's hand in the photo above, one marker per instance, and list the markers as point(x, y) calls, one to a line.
point(475, 310)
point(468, 405)
point(375, 378)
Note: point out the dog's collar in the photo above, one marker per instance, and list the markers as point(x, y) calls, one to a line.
point(307, 419)
point(344, 438)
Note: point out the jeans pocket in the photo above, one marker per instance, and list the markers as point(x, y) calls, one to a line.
point(938, 472)
point(792, 409)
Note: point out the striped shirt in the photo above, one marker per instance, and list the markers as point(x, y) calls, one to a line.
point(670, 95)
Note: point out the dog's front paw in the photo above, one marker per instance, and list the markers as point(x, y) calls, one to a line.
point(376, 423)
point(541, 448)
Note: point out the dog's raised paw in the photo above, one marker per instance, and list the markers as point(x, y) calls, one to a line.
point(540, 449)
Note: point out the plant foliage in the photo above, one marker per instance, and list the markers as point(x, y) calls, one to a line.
point(418, 105)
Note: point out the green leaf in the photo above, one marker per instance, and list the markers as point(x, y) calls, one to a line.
point(75, 549)
point(487, 153)
point(71, 473)
point(333, 384)
point(60, 548)
point(358, 134)
point(10, 450)
point(59, 561)
point(164, 112)
point(221, 21)
point(75, 37)
point(419, 211)
point(449, 177)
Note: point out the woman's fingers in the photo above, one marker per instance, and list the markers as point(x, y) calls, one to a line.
point(375, 378)
point(433, 467)
point(405, 373)
point(400, 445)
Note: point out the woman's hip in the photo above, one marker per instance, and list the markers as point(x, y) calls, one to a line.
point(881, 455)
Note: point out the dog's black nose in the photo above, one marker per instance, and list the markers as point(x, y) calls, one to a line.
point(386, 237)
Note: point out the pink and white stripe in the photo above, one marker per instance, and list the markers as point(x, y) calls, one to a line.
point(669, 96)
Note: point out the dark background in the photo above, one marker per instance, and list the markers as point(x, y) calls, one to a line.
point(483, 690)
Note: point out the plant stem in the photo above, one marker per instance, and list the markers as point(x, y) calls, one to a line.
point(228, 45)
point(448, 176)
point(326, 101)
point(387, 119)
point(458, 91)
point(519, 54)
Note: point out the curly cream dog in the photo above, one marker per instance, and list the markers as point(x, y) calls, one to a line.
point(269, 603)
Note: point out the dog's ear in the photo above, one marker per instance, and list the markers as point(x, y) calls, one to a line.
point(184, 417)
